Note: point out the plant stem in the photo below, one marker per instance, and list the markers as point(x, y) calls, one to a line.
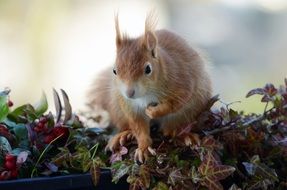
point(42, 154)
point(96, 148)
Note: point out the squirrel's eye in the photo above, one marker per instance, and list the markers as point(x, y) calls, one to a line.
point(115, 71)
point(147, 69)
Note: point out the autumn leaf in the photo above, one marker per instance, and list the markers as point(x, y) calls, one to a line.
point(175, 177)
point(210, 143)
point(136, 184)
point(95, 173)
point(144, 173)
point(212, 172)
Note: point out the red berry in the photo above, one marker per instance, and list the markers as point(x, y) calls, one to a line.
point(10, 157)
point(37, 129)
point(49, 138)
point(9, 165)
point(10, 103)
point(43, 120)
point(60, 131)
point(40, 125)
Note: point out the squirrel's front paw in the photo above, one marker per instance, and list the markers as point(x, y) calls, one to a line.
point(141, 154)
point(151, 111)
point(119, 140)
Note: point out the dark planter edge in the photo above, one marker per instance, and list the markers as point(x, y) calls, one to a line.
point(67, 182)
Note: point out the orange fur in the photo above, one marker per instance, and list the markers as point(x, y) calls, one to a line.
point(179, 83)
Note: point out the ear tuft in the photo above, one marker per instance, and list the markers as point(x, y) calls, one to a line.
point(150, 39)
point(119, 38)
point(150, 22)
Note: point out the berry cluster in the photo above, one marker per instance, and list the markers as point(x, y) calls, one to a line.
point(11, 169)
point(50, 133)
point(41, 125)
point(57, 131)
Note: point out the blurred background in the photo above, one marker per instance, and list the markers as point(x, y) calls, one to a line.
point(66, 43)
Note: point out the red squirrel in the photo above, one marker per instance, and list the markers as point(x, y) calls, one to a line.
point(156, 76)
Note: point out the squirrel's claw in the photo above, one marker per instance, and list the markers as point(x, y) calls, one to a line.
point(191, 139)
point(119, 140)
point(151, 150)
point(141, 155)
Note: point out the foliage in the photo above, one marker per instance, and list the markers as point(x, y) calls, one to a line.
point(223, 149)
point(37, 144)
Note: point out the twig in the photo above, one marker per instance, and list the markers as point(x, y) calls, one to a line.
point(244, 125)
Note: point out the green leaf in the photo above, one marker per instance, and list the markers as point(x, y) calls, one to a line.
point(23, 113)
point(4, 108)
point(41, 106)
point(123, 170)
point(160, 186)
point(266, 172)
point(233, 114)
point(5, 145)
point(21, 134)
point(258, 183)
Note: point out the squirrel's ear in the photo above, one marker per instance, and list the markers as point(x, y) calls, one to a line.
point(151, 43)
point(119, 38)
point(150, 39)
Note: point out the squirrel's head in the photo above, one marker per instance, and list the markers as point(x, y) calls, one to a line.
point(137, 65)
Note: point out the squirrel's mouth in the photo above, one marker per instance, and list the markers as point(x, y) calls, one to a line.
point(144, 101)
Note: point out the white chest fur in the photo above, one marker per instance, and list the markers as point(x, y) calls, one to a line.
point(141, 103)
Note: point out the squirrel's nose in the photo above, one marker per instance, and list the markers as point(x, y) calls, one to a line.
point(130, 93)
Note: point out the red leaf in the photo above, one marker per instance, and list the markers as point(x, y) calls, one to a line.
point(212, 172)
point(211, 185)
point(210, 143)
point(207, 163)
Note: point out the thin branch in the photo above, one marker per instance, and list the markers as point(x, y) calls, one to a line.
point(244, 125)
